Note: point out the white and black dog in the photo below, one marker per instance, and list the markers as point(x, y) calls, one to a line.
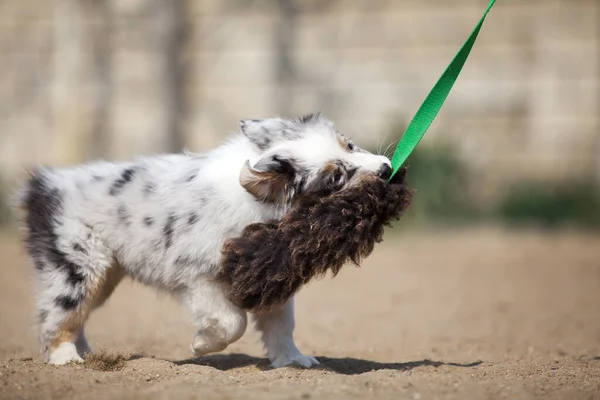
point(162, 221)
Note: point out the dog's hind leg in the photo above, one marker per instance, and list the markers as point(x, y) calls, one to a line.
point(64, 304)
point(63, 308)
point(277, 334)
point(74, 273)
point(219, 322)
point(81, 344)
point(99, 295)
point(61, 328)
point(72, 265)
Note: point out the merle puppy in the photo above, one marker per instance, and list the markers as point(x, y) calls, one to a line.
point(163, 221)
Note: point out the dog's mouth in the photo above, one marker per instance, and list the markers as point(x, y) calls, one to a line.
point(383, 174)
point(399, 178)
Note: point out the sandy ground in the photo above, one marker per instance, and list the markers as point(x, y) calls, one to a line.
point(460, 315)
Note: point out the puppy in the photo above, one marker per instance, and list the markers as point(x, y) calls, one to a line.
point(162, 221)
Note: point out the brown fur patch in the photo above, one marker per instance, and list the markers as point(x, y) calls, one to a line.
point(342, 141)
point(270, 262)
point(113, 277)
point(96, 292)
point(269, 186)
point(330, 168)
point(67, 332)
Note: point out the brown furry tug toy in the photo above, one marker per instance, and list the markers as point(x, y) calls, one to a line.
point(270, 262)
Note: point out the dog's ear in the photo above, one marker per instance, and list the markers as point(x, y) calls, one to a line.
point(270, 179)
point(262, 132)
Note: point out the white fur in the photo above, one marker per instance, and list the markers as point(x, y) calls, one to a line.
point(198, 198)
point(64, 354)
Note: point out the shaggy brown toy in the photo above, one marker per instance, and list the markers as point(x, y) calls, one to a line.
point(271, 261)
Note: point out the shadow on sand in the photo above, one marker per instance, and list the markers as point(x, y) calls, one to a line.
point(345, 366)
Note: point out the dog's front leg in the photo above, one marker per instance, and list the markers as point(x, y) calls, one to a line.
point(277, 333)
point(219, 322)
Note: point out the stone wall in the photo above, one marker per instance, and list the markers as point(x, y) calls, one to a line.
point(525, 106)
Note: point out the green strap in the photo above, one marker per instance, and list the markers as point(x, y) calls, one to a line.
point(434, 100)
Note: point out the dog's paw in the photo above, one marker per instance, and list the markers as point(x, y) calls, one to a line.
point(64, 354)
point(204, 344)
point(294, 359)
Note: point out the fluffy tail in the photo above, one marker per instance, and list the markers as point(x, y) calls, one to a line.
point(21, 197)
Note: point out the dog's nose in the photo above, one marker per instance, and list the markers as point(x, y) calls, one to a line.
point(385, 171)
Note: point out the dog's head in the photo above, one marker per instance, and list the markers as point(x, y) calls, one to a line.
point(305, 156)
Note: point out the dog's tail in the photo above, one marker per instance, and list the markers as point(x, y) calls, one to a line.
point(20, 199)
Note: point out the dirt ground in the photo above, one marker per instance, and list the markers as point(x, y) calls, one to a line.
point(472, 314)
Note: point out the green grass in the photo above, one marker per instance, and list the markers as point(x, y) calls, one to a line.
point(551, 206)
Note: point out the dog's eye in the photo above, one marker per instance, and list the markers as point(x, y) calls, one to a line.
point(337, 179)
point(350, 146)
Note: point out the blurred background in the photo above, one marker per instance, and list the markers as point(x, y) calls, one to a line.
point(518, 140)
point(503, 298)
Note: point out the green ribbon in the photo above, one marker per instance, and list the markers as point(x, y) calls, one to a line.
point(434, 100)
